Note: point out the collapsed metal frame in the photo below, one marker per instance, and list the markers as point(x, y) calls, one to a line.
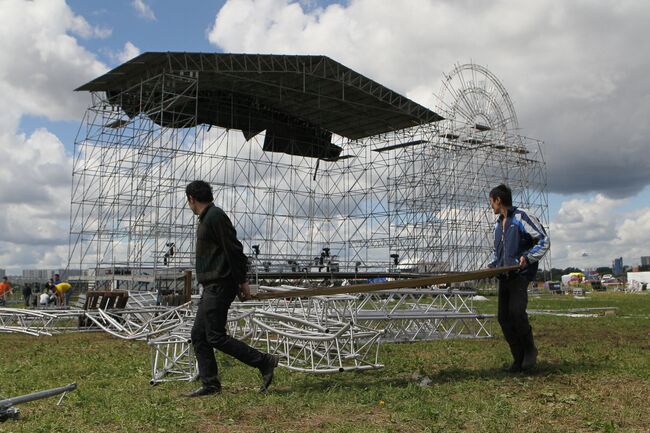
point(320, 334)
point(413, 199)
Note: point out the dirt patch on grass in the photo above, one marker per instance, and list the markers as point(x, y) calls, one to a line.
point(581, 403)
point(271, 419)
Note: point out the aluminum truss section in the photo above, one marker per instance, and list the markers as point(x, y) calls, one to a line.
point(141, 299)
point(308, 347)
point(172, 355)
point(423, 314)
point(39, 322)
point(140, 323)
point(401, 315)
point(309, 337)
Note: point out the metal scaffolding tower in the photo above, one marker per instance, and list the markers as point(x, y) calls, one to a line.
point(333, 172)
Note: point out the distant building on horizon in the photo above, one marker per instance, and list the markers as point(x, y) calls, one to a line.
point(41, 274)
point(3, 273)
point(645, 261)
point(617, 266)
point(38, 274)
point(46, 274)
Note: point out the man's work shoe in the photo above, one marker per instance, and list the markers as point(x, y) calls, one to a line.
point(204, 390)
point(267, 372)
point(515, 367)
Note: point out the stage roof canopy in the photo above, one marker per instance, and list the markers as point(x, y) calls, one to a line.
point(256, 92)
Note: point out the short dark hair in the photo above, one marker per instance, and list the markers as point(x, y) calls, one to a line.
point(201, 191)
point(502, 192)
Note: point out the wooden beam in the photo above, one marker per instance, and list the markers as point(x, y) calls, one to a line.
point(390, 285)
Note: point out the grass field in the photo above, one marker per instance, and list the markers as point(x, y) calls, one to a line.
point(593, 376)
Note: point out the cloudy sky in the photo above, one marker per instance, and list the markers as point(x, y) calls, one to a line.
point(575, 70)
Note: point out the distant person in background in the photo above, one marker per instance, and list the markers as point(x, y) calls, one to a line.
point(27, 294)
point(5, 289)
point(61, 291)
point(56, 279)
point(68, 295)
point(519, 239)
point(44, 299)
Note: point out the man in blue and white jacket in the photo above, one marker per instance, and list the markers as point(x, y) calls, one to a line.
point(519, 239)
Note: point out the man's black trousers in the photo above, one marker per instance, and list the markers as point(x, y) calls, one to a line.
point(513, 298)
point(209, 332)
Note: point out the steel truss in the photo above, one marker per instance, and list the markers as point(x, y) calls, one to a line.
point(309, 347)
point(172, 355)
point(38, 322)
point(140, 323)
point(416, 315)
point(400, 315)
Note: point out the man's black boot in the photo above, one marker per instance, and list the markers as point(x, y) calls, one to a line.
point(530, 352)
point(267, 371)
point(204, 390)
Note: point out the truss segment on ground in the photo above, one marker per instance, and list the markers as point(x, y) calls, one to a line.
point(400, 315)
point(38, 322)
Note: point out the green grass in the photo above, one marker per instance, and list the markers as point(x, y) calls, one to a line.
point(593, 376)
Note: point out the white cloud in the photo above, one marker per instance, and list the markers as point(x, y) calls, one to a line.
point(600, 229)
point(143, 9)
point(42, 64)
point(579, 87)
point(80, 27)
point(128, 52)
point(35, 197)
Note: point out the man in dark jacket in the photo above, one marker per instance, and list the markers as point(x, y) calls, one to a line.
point(221, 269)
point(519, 239)
point(27, 293)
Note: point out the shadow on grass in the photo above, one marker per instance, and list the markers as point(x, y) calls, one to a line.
point(542, 369)
point(373, 379)
point(344, 381)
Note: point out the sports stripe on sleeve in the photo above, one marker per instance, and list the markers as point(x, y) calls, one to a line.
point(531, 225)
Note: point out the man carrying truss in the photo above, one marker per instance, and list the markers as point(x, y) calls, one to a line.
point(519, 239)
point(221, 269)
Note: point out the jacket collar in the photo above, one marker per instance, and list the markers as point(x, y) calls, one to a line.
point(510, 212)
point(205, 211)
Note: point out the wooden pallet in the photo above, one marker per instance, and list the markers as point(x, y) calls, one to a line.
point(104, 300)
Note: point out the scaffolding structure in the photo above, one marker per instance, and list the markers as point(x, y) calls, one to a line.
point(408, 192)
